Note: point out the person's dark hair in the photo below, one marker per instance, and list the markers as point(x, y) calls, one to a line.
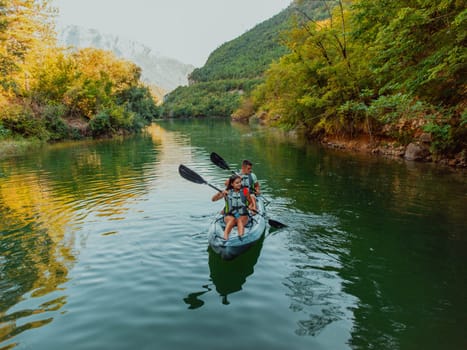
point(232, 178)
point(246, 162)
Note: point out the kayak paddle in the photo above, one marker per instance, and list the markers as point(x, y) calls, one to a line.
point(220, 162)
point(190, 175)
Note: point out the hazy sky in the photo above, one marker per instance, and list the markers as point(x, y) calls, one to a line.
point(187, 30)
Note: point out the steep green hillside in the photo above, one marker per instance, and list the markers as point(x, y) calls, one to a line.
point(248, 55)
point(237, 66)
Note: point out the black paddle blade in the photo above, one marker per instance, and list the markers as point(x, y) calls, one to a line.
point(190, 175)
point(276, 224)
point(219, 161)
point(273, 223)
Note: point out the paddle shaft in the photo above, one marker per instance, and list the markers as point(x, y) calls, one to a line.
point(212, 186)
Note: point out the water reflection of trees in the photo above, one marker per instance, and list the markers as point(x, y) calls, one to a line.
point(34, 261)
point(320, 180)
point(316, 289)
point(44, 198)
point(393, 235)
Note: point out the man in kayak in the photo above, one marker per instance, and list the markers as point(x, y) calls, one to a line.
point(237, 202)
point(249, 179)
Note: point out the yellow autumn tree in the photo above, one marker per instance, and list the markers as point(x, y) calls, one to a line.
point(26, 32)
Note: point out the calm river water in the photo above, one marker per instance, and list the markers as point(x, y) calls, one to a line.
point(103, 246)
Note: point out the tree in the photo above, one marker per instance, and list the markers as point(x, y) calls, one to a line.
point(418, 47)
point(26, 30)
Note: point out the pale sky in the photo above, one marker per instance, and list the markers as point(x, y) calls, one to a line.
point(187, 30)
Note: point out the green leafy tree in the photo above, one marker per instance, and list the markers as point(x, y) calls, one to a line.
point(418, 47)
point(389, 69)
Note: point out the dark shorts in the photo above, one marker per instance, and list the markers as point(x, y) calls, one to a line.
point(230, 214)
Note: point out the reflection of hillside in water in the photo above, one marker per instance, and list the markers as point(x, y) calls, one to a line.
point(172, 148)
point(319, 248)
point(359, 225)
point(321, 180)
point(45, 199)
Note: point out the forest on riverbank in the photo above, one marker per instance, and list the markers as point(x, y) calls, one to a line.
point(384, 76)
point(391, 73)
point(50, 93)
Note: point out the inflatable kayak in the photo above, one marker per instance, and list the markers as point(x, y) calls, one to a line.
point(235, 245)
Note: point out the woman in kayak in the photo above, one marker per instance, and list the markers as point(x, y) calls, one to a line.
point(237, 202)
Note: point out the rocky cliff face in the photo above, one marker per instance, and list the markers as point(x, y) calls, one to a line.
point(163, 74)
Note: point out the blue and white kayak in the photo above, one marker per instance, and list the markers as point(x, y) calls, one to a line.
point(235, 245)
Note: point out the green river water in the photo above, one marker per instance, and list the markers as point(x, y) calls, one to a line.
point(104, 246)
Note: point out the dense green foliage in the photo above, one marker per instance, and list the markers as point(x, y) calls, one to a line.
point(232, 70)
point(207, 99)
point(388, 69)
point(49, 93)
